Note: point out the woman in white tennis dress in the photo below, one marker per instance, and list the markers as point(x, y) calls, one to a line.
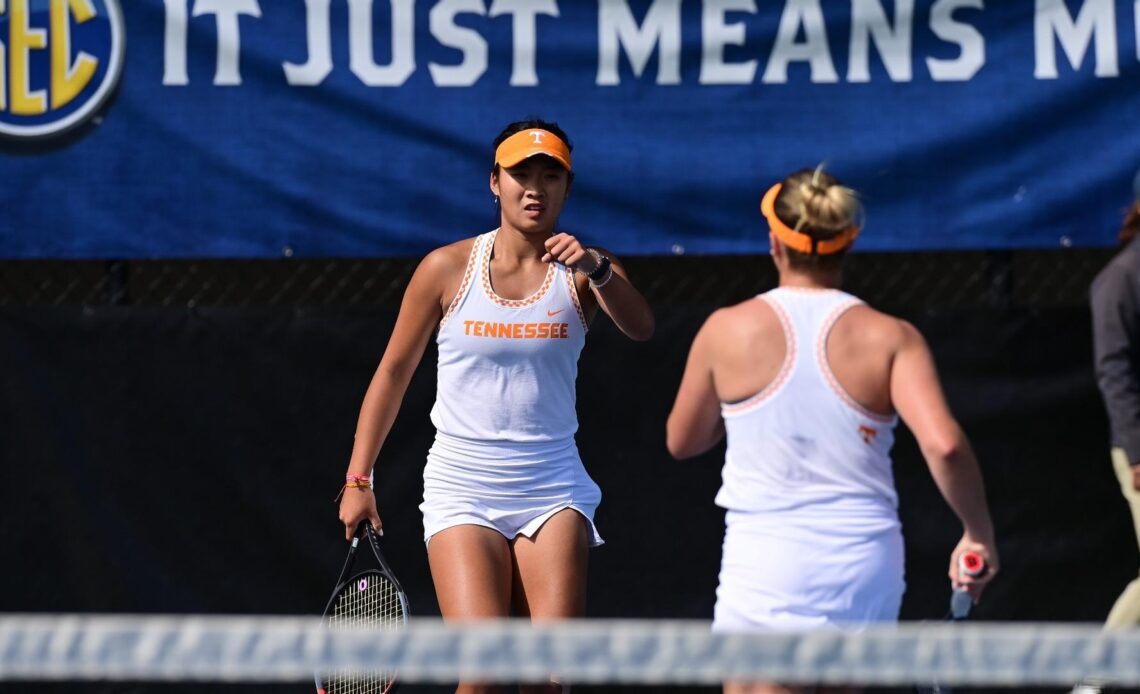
point(808, 383)
point(508, 507)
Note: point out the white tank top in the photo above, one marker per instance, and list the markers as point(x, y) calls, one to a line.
point(803, 444)
point(507, 367)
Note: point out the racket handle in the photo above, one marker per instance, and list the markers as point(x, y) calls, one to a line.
point(363, 529)
point(971, 564)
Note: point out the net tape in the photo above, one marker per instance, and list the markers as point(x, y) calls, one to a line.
point(264, 649)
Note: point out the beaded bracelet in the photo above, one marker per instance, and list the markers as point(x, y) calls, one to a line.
point(602, 263)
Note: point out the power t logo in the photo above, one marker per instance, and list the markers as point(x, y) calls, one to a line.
point(59, 61)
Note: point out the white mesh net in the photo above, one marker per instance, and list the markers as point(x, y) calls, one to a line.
point(265, 649)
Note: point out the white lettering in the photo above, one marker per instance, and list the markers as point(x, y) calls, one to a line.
point(174, 54)
point(226, 14)
point(715, 35)
point(661, 29)
point(813, 50)
point(403, 44)
point(971, 41)
point(469, 42)
point(524, 18)
point(1097, 18)
point(869, 21)
point(319, 43)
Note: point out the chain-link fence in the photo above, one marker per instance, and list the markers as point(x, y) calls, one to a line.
point(960, 279)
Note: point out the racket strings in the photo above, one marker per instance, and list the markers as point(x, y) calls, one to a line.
point(369, 600)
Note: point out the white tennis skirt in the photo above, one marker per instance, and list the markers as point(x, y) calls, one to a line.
point(783, 573)
point(510, 487)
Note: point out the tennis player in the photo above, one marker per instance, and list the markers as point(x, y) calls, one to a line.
point(508, 506)
point(808, 383)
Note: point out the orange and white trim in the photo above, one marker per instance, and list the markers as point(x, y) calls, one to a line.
point(465, 284)
point(485, 266)
point(829, 375)
point(572, 287)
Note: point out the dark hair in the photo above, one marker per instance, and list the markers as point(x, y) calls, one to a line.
point(1130, 228)
point(531, 124)
point(815, 203)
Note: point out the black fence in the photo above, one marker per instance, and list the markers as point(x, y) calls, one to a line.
point(174, 433)
point(961, 279)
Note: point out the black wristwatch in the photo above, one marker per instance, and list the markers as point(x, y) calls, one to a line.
point(603, 267)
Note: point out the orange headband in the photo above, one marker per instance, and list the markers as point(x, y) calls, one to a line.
point(528, 143)
point(798, 240)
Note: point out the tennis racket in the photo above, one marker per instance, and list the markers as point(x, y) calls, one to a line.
point(369, 598)
point(969, 564)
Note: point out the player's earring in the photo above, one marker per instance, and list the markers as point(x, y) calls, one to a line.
point(496, 199)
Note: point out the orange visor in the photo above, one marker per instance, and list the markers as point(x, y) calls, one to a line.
point(527, 143)
point(798, 240)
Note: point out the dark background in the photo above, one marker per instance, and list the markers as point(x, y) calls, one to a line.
point(174, 434)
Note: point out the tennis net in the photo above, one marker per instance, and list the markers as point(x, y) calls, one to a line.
point(290, 649)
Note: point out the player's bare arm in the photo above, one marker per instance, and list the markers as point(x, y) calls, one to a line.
point(611, 289)
point(420, 312)
point(918, 398)
point(695, 425)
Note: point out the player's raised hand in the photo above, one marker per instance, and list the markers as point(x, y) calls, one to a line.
point(564, 248)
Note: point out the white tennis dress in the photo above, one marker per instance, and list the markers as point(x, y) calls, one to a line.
point(813, 537)
point(504, 455)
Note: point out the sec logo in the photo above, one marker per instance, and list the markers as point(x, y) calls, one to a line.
point(59, 62)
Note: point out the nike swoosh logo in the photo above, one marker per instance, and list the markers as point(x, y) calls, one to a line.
point(551, 314)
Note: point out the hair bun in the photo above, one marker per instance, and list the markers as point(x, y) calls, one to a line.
point(816, 203)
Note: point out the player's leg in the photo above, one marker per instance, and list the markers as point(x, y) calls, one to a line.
point(761, 688)
point(471, 570)
point(1125, 612)
point(550, 575)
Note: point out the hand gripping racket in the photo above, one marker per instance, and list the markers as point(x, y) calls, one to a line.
point(969, 564)
point(370, 598)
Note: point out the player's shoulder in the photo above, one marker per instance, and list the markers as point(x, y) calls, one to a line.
point(748, 319)
point(448, 259)
point(880, 327)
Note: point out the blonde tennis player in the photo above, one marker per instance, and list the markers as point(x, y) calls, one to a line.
point(808, 383)
point(508, 507)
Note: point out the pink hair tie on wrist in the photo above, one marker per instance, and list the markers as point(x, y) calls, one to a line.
point(358, 478)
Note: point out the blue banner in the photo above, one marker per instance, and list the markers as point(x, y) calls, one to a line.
point(270, 128)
